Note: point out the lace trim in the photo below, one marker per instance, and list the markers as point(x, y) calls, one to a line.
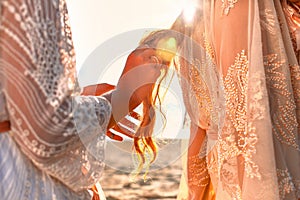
point(255, 113)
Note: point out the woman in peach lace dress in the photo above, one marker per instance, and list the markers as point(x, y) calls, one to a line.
point(238, 64)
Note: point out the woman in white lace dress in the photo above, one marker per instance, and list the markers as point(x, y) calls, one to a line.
point(55, 148)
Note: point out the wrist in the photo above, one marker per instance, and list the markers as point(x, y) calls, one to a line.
point(120, 101)
point(107, 96)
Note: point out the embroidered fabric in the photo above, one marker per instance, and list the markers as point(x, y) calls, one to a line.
point(227, 5)
point(242, 87)
point(57, 130)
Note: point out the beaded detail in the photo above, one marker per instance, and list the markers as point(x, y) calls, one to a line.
point(237, 142)
point(198, 173)
point(227, 5)
point(285, 183)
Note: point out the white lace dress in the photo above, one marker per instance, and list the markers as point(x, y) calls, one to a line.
point(55, 148)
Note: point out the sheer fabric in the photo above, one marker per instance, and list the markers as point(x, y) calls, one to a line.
point(240, 81)
point(56, 145)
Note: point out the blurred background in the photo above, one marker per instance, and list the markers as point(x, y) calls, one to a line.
point(95, 21)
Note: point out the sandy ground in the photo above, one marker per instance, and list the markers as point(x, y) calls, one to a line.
point(163, 177)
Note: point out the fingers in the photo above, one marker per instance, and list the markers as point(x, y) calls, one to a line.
point(114, 136)
point(135, 115)
point(103, 88)
point(97, 89)
point(123, 131)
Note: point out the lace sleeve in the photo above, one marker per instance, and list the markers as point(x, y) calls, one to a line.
point(61, 133)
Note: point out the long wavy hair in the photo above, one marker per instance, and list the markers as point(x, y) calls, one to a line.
point(144, 144)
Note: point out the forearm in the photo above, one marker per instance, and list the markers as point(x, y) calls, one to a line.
point(198, 178)
point(122, 105)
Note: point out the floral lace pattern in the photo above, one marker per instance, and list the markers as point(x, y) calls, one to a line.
point(284, 116)
point(237, 148)
point(235, 90)
point(198, 78)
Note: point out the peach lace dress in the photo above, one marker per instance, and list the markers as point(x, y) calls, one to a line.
point(240, 78)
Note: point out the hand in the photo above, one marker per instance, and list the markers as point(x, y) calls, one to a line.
point(100, 89)
point(140, 73)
